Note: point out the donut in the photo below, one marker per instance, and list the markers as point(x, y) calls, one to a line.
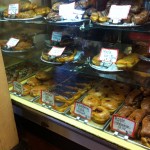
point(96, 92)
point(100, 114)
point(121, 88)
point(33, 81)
point(110, 104)
point(91, 100)
point(119, 97)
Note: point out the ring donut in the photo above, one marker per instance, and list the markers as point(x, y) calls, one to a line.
point(100, 114)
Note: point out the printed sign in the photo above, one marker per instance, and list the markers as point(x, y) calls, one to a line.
point(18, 87)
point(13, 9)
point(119, 11)
point(108, 55)
point(48, 98)
point(123, 125)
point(12, 42)
point(82, 110)
point(56, 36)
point(56, 51)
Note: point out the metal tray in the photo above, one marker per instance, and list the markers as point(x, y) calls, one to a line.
point(24, 19)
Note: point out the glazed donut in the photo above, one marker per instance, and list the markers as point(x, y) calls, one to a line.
point(121, 88)
point(33, 81)
point(100, 114)
point(119, 97)
point(96, 92)
point(110, 104)
point(91, 100)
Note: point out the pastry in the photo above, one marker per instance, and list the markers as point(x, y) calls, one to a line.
point(145, 104)
point(137, 116)
point(22, 45)
point(33, 81)
point(26, 5)
point(128, 61)
point(96, 61)
point(36, 90)
point(146, 91)
point(94, 16)
point(91, 100)
point(141, 18)
point(134, 98)
point(26, 89)
point(100, 114)
point(42, 10)
point(55, 6)
point(110, 104)
point(26, 14)
point(43, 75)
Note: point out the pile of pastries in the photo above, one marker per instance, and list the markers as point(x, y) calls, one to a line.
point(41, 81)
point(22, 70)
point(123, 62)
point(137, 108)
point(25, 42)
point(79, 5)
point(104, 99)
point(28, 9)
point(137, 15)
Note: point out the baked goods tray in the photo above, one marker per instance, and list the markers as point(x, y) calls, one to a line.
point(23, 70)
point(11, 50)
point(88, 122)
point(67, 92)
point(123, 137)
point(76, 58)
point(23, 19)
point(109, 68)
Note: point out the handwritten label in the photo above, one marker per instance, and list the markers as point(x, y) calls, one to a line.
point(119, 11)
point(108, 55)
point(12, 42)
point(18, 87)
point(82, 110)
point(66, 10)
point(56, 36)
point(56, 51)
point(48, 98)
point(13, 9)
point(123, 125)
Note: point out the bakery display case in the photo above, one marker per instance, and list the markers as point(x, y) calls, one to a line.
point(61, 76)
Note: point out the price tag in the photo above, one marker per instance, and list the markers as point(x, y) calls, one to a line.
point(12, 42)
point(66, 10)
point(18, 87)
point(123, 125)
point(13, 9)
point(48, 98)
point(56, 36)
point(108, 55)
point(82, 110)
point(119, 11)
point(56, 51)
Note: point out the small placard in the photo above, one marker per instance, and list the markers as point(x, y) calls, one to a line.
point(66, 10)
point(17, 87)
point(56, 51)
point(123, 125)
point(119, 11)
point(56, 36)
point(82, 111)
point(108, 55)
point(13, 9)
point(48, 98)
point(12, 42)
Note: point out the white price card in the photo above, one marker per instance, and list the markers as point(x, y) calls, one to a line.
point(48, 98)
point(12, 42)
point(108, 55)
point(83, 111)
point(56, 36)
point(66, 10)
point(56, 51)
point(17, 87)
point(123, 125)
point(119, 11)
point(13, 9)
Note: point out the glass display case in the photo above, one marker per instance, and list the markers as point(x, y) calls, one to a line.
point(52, 90)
